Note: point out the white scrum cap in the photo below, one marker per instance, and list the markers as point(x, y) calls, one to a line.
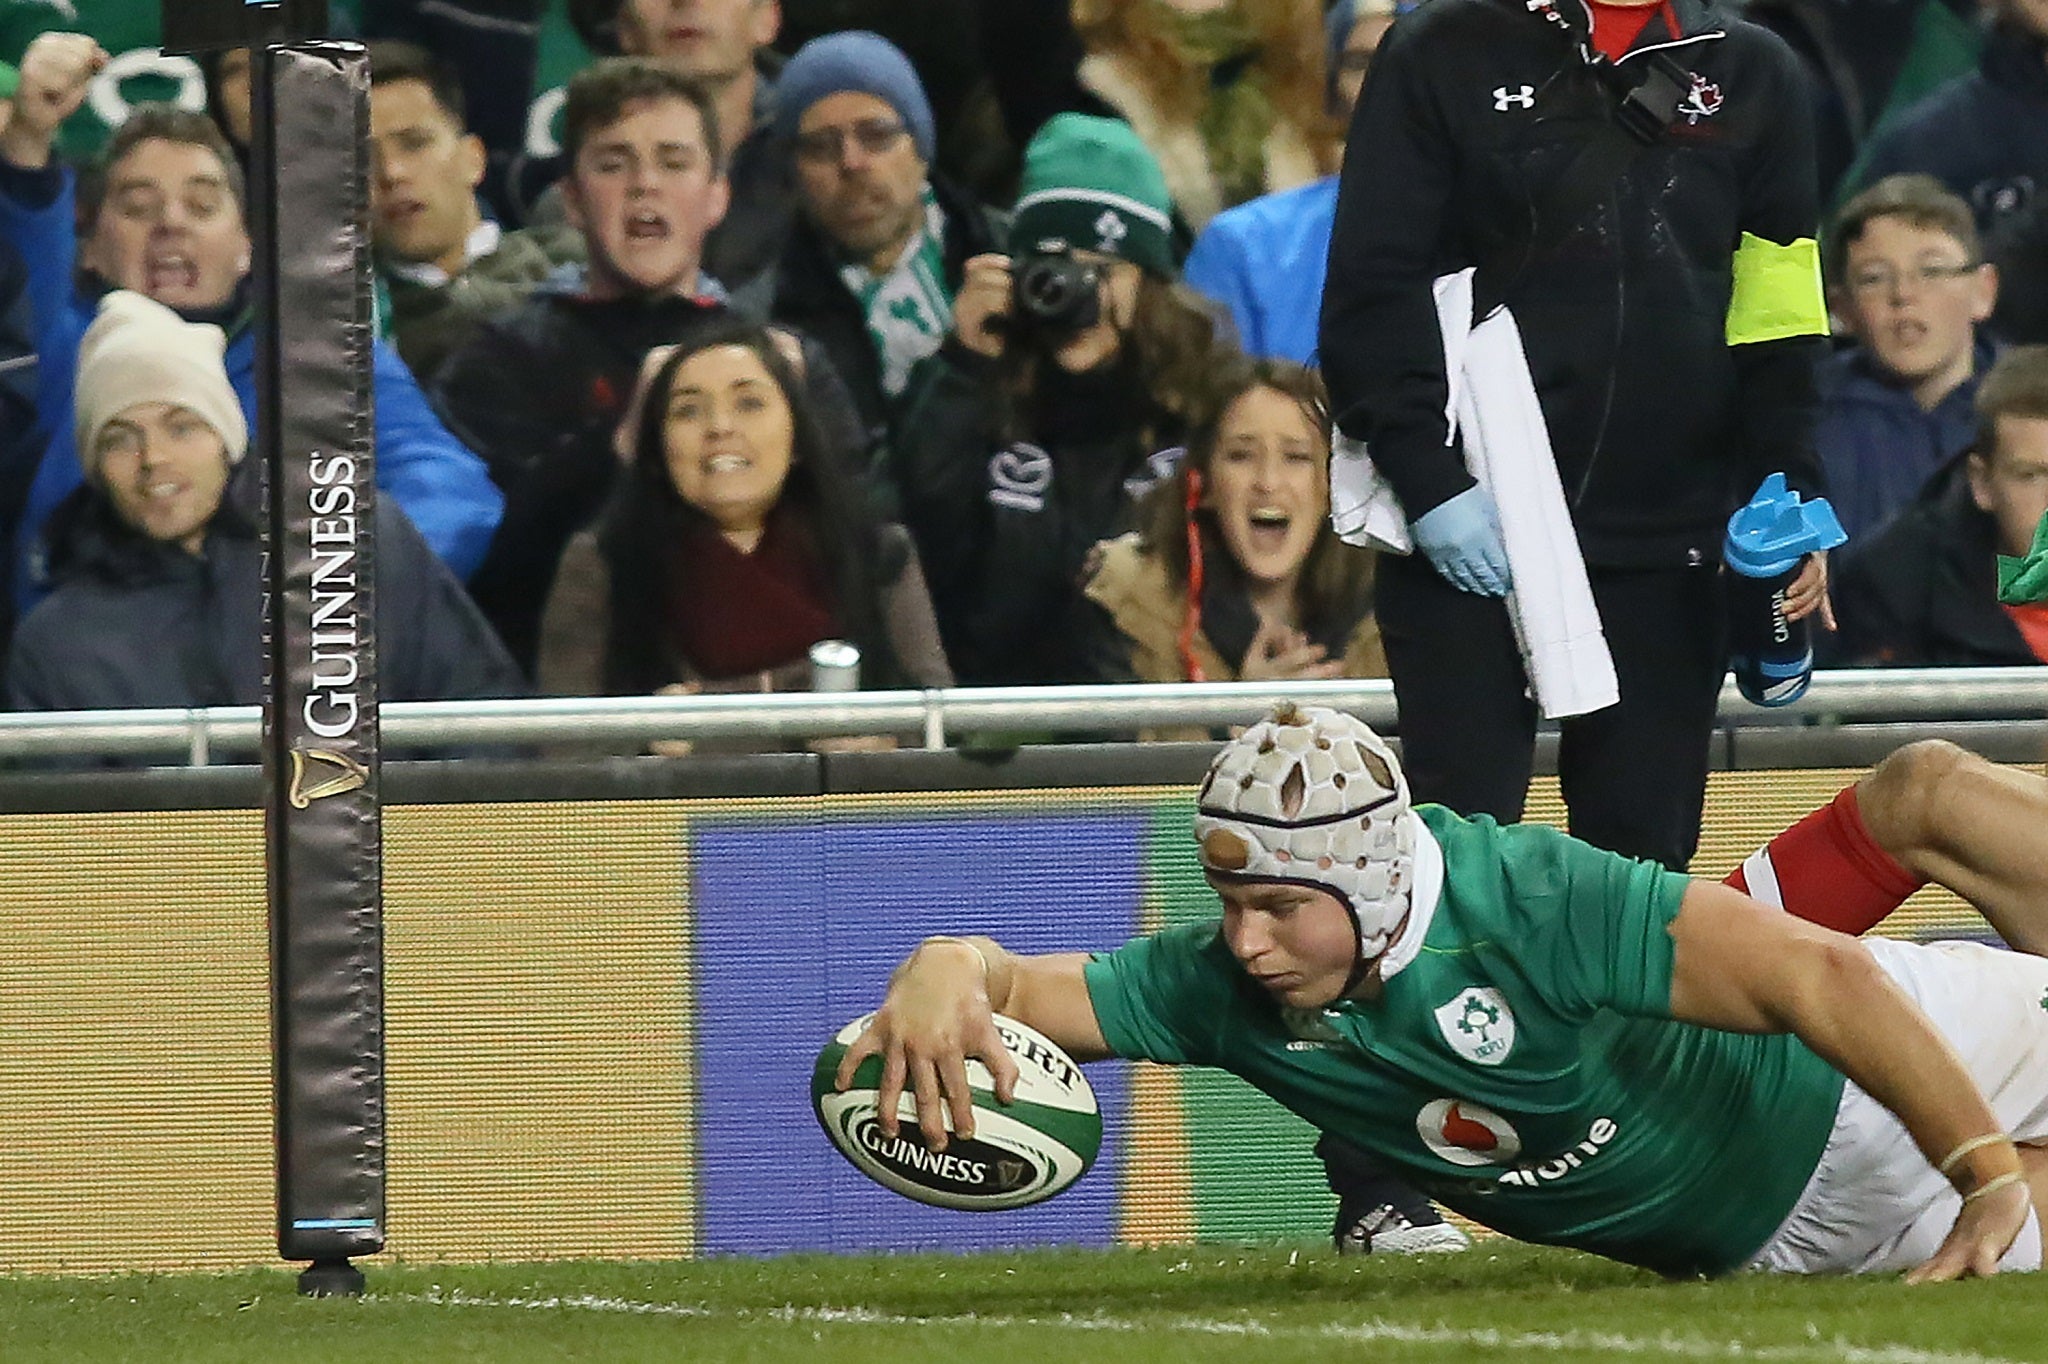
point(1312, 796)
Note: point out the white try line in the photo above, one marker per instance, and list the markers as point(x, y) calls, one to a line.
point(1576, 1344)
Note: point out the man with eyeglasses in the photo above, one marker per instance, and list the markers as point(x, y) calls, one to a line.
point(1907, 278)
point(882, 242)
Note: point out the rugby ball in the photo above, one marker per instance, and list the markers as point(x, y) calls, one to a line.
point(1022, 1152)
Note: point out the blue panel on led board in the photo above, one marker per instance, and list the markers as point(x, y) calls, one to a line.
point(797, 927)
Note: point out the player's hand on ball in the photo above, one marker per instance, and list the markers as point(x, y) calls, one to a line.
point(1984, 1231)
point(937, 1015)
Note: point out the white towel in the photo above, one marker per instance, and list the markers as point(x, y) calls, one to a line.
point(1493, 404)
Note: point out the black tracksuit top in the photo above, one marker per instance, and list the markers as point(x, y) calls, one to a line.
point(1659, 426)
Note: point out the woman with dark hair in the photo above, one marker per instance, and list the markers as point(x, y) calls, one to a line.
point(1235, 574)
point(1028, 435)
point(736, 539)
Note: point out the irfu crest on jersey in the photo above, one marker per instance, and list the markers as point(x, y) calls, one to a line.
point(1479, 1025)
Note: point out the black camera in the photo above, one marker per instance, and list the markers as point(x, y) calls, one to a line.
point(1052, 291)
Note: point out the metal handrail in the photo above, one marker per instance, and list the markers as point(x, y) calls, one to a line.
point(937, 717)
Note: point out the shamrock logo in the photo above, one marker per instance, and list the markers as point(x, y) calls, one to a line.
point(1110, 230)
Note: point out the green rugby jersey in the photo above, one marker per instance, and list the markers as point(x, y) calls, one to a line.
point(1524, 1069)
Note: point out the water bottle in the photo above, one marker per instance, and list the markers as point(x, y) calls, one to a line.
point(1767, 540)
point(835, 666)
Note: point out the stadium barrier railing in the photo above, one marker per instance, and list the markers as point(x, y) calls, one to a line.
point(937, 719)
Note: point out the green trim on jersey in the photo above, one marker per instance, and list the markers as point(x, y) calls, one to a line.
point(1524, 1069)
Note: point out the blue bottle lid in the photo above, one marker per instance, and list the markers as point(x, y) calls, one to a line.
point(1776, 530)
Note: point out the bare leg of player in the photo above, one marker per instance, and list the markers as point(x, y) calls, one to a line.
point(1981, 830)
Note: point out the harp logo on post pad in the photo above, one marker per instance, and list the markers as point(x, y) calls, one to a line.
point(321, 772)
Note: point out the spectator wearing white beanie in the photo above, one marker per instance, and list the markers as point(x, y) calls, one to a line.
point(157, 568)
point(158, 424)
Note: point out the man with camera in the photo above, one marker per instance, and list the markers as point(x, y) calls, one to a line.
point(881, 241)
point(1073, 362)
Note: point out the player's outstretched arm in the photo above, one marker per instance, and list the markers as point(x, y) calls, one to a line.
point(939, 1012)
point(1745, 967)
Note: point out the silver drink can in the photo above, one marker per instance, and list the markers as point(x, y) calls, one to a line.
point(835, 666)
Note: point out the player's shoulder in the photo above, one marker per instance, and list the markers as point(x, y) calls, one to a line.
point(1498, 874)
point(1483, 835)
point(1184, 954)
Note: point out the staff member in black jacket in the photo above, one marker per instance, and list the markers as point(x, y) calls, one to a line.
point(1672, 335)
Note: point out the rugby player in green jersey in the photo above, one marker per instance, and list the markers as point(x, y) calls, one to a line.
point(1571, 1046)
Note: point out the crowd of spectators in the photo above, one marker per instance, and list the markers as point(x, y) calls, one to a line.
point(980, 334)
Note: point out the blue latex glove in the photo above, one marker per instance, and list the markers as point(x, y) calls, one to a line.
point(1462, 539)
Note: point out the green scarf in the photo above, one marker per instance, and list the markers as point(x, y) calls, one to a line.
point(1238, 116)
point(909, 309)
point(2024, 580)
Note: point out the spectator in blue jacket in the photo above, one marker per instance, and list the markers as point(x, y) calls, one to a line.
point(1909, 280)
point(163, 217)
point(159, 595)
point(1265, 260)
point(1984, 135)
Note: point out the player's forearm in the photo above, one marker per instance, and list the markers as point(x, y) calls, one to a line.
point(1860, 1022)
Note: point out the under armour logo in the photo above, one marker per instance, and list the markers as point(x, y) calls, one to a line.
point(1505, 99)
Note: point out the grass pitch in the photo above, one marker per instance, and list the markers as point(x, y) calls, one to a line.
point(1183, 1305)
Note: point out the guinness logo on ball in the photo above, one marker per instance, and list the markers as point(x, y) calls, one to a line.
point(966, 1166)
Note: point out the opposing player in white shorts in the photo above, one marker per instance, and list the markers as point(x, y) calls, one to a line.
point(1929, 812)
